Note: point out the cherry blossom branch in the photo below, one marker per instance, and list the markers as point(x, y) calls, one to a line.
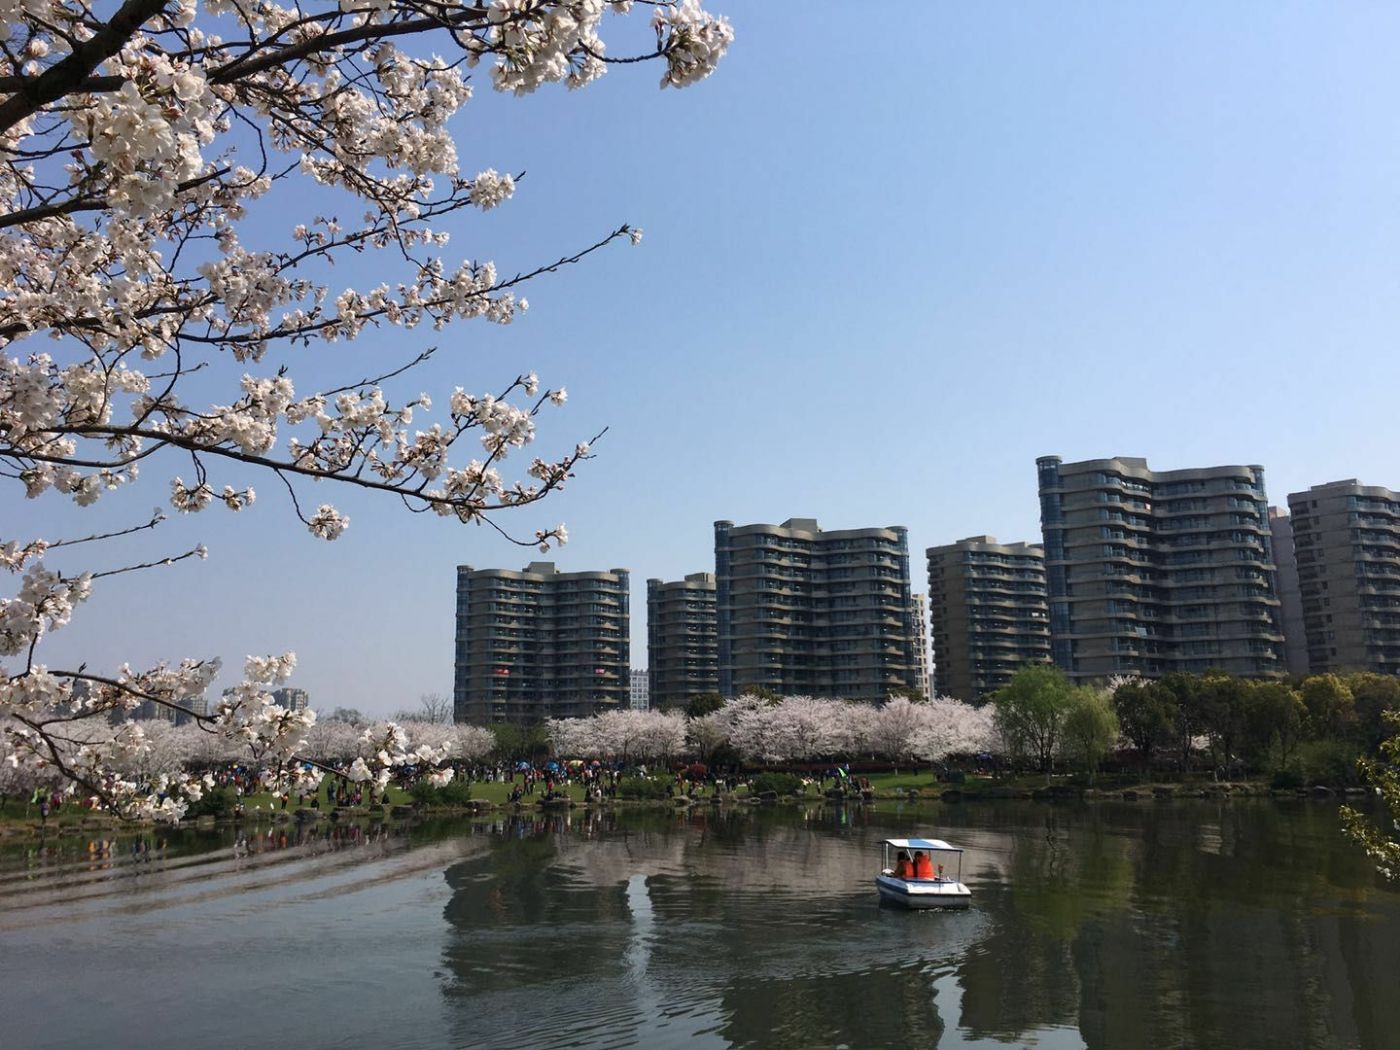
point(66, 76)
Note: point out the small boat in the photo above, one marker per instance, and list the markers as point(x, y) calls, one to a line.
point(937, 883)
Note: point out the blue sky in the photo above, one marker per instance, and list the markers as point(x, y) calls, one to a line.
point(889, 261)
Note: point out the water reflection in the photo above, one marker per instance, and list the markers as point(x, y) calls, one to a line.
point(1231, 925)
point(1243, 924)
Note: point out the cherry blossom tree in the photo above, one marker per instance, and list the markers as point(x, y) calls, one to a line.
point(895, 727)
point(136, 139)
point(950, 727)
point(331, 742)
point(625, 735)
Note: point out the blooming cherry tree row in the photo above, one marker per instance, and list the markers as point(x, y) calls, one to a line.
point(159, 754)
point(797, 728)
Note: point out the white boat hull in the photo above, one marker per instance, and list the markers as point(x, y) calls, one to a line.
point(923, 893)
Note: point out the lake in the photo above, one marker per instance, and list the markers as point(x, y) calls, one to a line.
point(1249, 923)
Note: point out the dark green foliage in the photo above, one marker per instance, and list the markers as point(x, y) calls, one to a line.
point(1328, 762)
point(1185, 690)
point(704, 704)
point(643, 788)
point(1330, 705)
point(1221, 705)
point(1273, 723)
point(1373, 695)
point(1031, 712)
point(1147, 712)
point(519, 742)
point(457, 793)
point(782, 783)
point(1380, 841)
point(216, 803)
point(762, 692)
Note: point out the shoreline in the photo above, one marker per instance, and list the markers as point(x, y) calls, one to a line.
point(13, 831)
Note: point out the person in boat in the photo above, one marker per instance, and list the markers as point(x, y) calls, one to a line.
point(903, 866)
point(923, 865)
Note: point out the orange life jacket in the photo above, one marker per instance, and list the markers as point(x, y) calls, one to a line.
point(903, 869)
point(923, 867)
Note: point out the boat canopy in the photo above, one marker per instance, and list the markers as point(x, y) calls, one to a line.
point(926, 844)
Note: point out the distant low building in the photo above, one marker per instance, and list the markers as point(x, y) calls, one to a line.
point(921, 646)
point(292, 699)
point(184, 711)
point(639, 693)
point(1295, 636)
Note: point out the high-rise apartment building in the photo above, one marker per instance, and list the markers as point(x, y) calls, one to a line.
point(540, 643)
point(1149, 572)
point(921, 671)
point(989, 614)
point(1346, 536)
point(1295, 639)
point(802, 611)
point(682, 639)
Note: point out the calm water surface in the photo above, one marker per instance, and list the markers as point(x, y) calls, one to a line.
point(1233, 924)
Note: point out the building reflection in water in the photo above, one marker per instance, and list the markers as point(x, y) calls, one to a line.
point(1102, 926)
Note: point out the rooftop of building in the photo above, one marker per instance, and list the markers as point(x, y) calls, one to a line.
point(1349, 487)
point(704, 579)
point(990, 544)
point(808, 527)
point(1136, 466)
point(541, 569)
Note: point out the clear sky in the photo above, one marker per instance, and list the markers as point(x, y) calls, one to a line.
point(893, 254)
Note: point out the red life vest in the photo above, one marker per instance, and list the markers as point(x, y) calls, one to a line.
point(923, 867)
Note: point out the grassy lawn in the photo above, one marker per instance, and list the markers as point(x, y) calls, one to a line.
point(265, 800)
point(499, 791)
point(19, 811)
point(903, 781)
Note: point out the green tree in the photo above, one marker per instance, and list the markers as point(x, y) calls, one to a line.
point(1373, 695)
point(908, 692)
point(1380, 842)
point(762, 692)
point(1273, 719)
point(1147, 713)
point(704, 704)
point(513, 742)
point(1190, 718)
point(1331, 706)
point(1091, 727)
point(1031, 711)
point(1221, 700)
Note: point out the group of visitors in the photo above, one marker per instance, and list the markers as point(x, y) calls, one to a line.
point(48, 801)
point(920, 866)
